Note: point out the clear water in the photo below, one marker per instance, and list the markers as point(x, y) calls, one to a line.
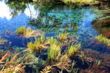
point(85, 33)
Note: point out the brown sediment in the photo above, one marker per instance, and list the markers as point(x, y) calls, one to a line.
point(106, 14)
point(103, 27)
point(106, 34)
point(93, 56)
point(102, 23)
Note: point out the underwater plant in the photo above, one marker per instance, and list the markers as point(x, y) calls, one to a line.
point(1, 52)
point(42, 38)
point(54, 52)
point(4, 57)
point(21, 31)
point(34, 47)
point(64, 63)
point(103, 40)
point(63, 36)
point(31, 47)
point(72, 50)
point(47, 69)
point(3, 41)
point(81, 55)
point(98, 62)
point(38, 46)
point(28, 30)
point(10, 66)
point(51, 40)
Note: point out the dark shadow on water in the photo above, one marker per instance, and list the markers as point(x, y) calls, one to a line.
point(79, 63)
point(14, 40)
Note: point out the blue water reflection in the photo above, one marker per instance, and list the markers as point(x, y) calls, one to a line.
point(83, 17)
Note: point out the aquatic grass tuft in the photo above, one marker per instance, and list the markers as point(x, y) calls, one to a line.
point(37, 44)
point(28, 30)
point(31, 47)
point(51, 40)
point(54, 52)
point(21, 30)
point(98, 63)
point(82, 55)
point(15, 66)
point(103, 40)
point(63, 36)
point(42, 38)
point(72, 50)
point(64, 62)
point(34, 47)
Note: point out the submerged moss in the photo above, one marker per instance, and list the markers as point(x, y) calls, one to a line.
point(103, 40)
point(27, 32)
point(34, 47)
point(54, 52)
point(72, 50)
point(42, 38)
point(63, 36)
point(21, 30)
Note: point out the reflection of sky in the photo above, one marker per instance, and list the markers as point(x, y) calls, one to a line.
point(12, 24)
point(33, 12)
point(9, 23)
point(5, 11)
point(85, 30)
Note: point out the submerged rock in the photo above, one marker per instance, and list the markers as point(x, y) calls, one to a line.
point(102, 23)
point(103, 27)
point(106, 34)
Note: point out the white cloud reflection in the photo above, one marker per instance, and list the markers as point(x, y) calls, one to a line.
point(5, 11)
point(31, 12)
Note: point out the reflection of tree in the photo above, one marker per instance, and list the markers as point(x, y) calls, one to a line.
point(17, 6)
point(45, 21)
point(51, 18)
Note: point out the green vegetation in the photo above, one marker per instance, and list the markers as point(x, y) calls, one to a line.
point(42, 38)
point(2, 41)
point(21, 30)
point(34, 47)
point(103, 40)
point(63, 36)
point(52, 40)
point(63, 60)
point(54, 52)
point(78, 1)
point(28, 30)
point(16, 67)
point(82, 55)
point(60, 54)
point(72, 50)
point(31, 46)
point(98, 62)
